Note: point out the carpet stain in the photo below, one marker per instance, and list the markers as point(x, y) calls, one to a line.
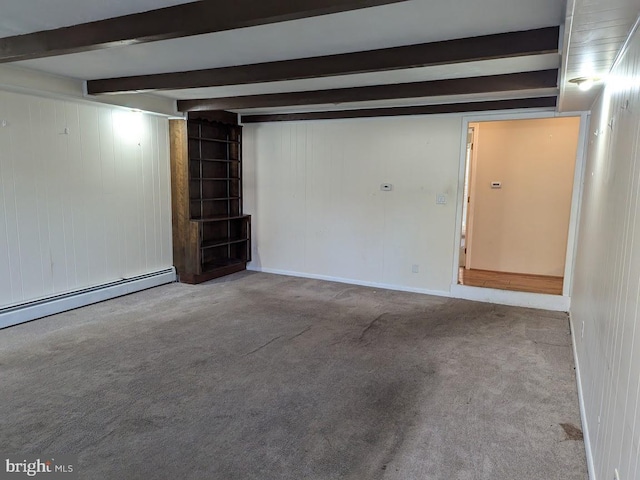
point(371, 324)
point(301, 333)
point(571, 431)
point(262, 346)
point(138, 425)
point(343, 295)
point(202, 362)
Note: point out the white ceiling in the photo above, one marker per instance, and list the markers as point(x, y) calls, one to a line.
point(26, 16)
point(411, 22)
point(594, 32)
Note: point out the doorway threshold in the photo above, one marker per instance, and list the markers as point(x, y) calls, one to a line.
point(542, 301)
point(520, 282)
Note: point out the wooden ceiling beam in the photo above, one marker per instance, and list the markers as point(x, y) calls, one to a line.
point(535, 102)
point(486, 47)
point(194, 18)
point(457, 86)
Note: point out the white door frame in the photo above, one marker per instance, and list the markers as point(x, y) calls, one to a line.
point(472, 192)
point(535, 300)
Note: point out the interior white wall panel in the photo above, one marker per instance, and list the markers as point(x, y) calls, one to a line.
point(314, 190)
point(84, 196)
point(606, 289)
point(27, 81)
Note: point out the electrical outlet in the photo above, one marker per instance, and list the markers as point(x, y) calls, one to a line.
point(441, 199)
point(582, 330)
point(415, 268)
point(616, 474)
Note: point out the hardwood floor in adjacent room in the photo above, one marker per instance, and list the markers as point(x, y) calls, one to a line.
point(519, 282)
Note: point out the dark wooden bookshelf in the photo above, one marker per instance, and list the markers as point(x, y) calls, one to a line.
point(218, 140)
point(211, 235)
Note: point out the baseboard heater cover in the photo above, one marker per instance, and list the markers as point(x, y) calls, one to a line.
point(44, 307)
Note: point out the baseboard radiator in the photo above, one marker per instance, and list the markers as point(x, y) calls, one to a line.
point(44, 307)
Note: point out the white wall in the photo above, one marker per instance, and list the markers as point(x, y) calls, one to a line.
point(28, 81)
point(523, 226)
point(607, 276)
point(314, 191)
point(82, 208)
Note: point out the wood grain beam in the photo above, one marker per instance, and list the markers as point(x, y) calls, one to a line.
point(486, 47)
point(537, 102)
point(195, 18)
point(456, 86)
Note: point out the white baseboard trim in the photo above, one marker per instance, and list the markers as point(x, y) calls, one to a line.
point(349, 281)
point(583, 413)
point(556, 303)
point(44, 307)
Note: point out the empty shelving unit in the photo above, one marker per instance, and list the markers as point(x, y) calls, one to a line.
point(211, 235)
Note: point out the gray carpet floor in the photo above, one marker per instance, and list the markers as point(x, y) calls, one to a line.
point(260, 376)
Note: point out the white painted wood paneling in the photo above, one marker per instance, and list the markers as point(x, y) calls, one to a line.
point(595, 31)
point(81, 208)
point(314, 191)
point(607, 276)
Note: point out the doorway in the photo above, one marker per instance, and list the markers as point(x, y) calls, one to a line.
point(518, 190)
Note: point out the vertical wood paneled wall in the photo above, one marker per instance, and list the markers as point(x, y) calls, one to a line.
point(313, 189)
point(84, 196)
point(606, 291)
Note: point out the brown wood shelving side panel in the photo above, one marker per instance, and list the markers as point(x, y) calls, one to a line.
point(179, 194)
